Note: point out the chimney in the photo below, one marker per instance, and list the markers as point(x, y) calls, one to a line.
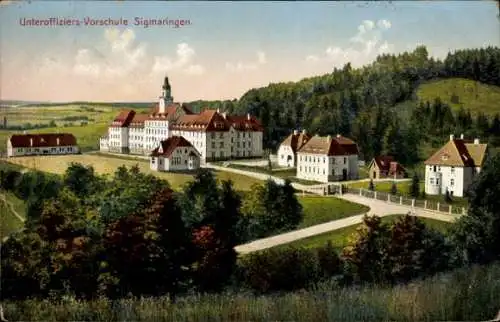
point(57, 141)
point(295, 132)
point(461, 136)
point(476, 141)
point(31, 141)
point(452, 137)
point(304, 132)
point(248, 116)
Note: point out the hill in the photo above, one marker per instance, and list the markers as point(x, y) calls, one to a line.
point(460, 92)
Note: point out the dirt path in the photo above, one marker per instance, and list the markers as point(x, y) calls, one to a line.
point(11, 207)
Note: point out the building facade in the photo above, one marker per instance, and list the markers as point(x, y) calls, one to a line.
point(41, 144)
point(287, 151)
point(453, 167)
point(175, 154)
point(385, 167)
point(327, 159)
point(215, 135)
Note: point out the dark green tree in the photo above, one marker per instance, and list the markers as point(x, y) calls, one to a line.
point(371, 186)
point(394, 188)
point(415, 186)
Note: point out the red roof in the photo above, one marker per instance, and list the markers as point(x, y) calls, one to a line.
point(329, 146)
point(245, 123)
point(208, 120)
point(42, 140)
point(123, 119)
point(169, 145)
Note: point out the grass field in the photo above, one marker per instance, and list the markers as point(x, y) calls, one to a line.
point(340, 238)
point(467, 294)
point(318, 210)
point(404, 190)
point(471, 94)
point(8, 220)
point(108, 165)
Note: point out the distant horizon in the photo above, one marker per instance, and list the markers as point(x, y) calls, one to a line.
point(62, 52)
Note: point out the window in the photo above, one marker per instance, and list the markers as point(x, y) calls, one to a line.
point(212, 135)
point(345, 160)
point(434, 168)
point(432, 180)
point(324, 160)
point(153, 160)
point(452, 170)
point(213, 145)
point(221, 135)
point(437, 181)
point(323, 171)
point(452, 182)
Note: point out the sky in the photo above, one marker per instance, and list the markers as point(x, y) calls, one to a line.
point(222, 49)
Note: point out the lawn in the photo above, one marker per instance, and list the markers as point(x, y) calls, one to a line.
point(404, 190)
point(340, 237)
point(108, 165)
point(473, 95)
point(8, 221)
point(318, 210)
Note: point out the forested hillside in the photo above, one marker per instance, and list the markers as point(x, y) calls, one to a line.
point(377, 104)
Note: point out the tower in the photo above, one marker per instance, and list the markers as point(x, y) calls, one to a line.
point(166, 96)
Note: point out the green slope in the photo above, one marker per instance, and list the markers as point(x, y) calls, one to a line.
point(470, 94)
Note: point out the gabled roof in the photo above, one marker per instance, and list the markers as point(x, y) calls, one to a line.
point(330, 146)
point(383, 162)
point(208, 120)
point(296, 140)
point(458, 153)
point(171, 108)
point(123, 119)
point(169, 145)
point(42, 140)
point(244, 123)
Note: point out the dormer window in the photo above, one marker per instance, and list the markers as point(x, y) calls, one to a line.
point(444, 157)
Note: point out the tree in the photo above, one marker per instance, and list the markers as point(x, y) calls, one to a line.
point(414, 250)
point(447, 197)
point(371, 185)
point(81, 179)
point(415, 186)
point(394, 189)
point(366, 255)
point(476, 234)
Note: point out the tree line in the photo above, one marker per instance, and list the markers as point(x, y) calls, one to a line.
point(131, 235)
point(347, 99)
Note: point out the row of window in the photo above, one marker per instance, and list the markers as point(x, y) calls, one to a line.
point(53, 150)
point(452, 181)
point(438, 168)
point(308, 158)
point(315, 170)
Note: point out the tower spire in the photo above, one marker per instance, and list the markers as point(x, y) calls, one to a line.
point(166, 96)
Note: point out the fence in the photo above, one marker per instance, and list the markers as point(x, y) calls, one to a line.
point(429, 205)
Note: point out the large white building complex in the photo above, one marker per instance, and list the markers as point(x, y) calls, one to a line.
point(328, 159)
point(215, 135)
point(453, 167)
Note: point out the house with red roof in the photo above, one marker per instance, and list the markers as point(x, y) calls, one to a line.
point(214, 134)
point(384, 166)
point(41, 144)
point(326, 159)
point(454, 166)
point(175, 154)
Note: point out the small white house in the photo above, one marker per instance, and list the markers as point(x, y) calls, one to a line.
point(328, 159)
point(41, 144)
point(454, 166)
point(175, 154)
point(287, 152)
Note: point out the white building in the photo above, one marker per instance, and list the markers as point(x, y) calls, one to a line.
point(215, 135)
point(174, 154)
point(287, 152)
point(328, 159)
point(454, 166)
point(41, 144)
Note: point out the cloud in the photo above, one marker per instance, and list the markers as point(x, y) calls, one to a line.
point(364, 46)
point(182, 61)
point(241, 66)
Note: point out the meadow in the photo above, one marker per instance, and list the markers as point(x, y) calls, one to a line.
point(318, 210)
point(459, 92)
point(108, 165)
point(467, 294)
point(87, 122)
point(340, 237)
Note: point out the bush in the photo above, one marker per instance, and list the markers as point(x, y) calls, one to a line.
point(279, 269)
